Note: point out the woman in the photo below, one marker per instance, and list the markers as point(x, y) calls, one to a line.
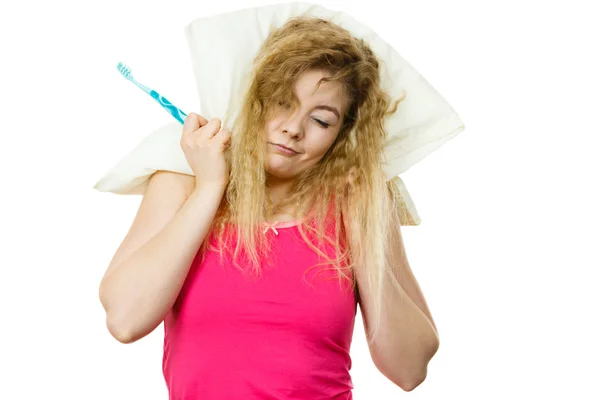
point(257, 271)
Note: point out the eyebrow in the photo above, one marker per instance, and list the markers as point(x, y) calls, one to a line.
point(328, 108)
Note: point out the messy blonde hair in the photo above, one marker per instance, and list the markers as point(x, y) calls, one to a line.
point(371, 206)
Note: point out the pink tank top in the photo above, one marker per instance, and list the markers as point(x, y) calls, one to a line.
point(284, 335)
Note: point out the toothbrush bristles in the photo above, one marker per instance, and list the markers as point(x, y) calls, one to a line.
point(124, 70)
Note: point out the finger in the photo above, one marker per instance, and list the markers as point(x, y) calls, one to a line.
point(203, 121)
point(225, 139)
point(190, 124)
point(351, 177)
point(209, 130)
point(225, 136)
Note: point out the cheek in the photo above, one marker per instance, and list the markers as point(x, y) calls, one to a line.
point(318, 148)
point(272, 124)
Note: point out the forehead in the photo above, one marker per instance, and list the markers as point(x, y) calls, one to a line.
point(305, 88)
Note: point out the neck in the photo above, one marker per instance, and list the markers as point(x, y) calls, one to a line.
point(277, 191)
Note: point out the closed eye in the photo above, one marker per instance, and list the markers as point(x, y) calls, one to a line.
point(323, 124)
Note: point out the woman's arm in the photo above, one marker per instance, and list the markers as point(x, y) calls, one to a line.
point(408, 338)
point(139, 289)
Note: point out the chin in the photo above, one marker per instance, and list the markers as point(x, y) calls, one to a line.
point(278, 173)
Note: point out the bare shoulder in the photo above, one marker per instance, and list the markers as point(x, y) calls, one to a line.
point(170, 179)
point(164, 195)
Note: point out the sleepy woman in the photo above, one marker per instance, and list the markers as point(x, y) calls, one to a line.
point(258, 262)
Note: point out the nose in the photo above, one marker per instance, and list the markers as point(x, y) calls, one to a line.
point(292, 126)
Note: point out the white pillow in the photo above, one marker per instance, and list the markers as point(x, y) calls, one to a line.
point(222, 50)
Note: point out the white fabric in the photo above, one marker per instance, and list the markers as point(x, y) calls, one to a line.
point(222, 49)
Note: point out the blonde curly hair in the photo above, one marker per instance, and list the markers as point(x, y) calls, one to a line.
point(374, 204)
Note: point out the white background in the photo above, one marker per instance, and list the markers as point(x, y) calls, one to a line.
point(506, 253)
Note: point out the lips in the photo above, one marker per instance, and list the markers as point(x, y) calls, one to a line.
point(285, 147)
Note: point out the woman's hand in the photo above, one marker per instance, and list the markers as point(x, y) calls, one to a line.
point(203, 144)
point(351, 176)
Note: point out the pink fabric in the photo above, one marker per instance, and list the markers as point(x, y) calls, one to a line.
point(282, 336)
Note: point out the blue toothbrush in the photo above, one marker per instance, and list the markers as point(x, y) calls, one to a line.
point(174, 111)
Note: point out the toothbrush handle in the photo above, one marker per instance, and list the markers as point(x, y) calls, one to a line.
point(174, 111)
